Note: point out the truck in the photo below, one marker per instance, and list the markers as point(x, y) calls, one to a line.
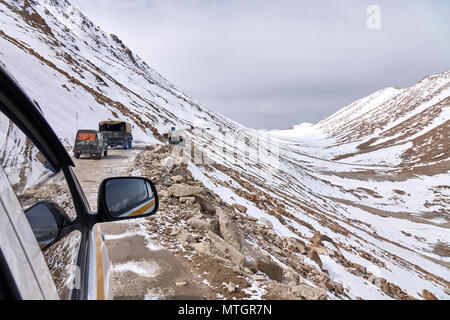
point(117, 133)
point(90, 142)
point(176, 139)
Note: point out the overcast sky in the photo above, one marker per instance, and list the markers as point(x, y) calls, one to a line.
point(272, 64)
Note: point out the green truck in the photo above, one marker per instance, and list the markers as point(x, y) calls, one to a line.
point(117, 133)
point(91, 143)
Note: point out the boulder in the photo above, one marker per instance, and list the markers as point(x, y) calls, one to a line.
point(204, 224)
point(321, 249)
point(202, 248)
point(293, 291)
point(181, 171)
point(183, 190)
point(181, 283)
point(185, 236)
point(272, 269)
point(228, 229)
point(163, 194)
point(231, 287)
point(290, 277)
point(447, 290)
point(178, 179)
point(239, 208)
point(301, 247)
point(219, 247)
point(314, 257)
point(309, 293)
point(168, 163)
point(205, 205)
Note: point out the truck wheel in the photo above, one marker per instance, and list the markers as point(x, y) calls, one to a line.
point(105, 153)
point(124, 146)
point(77, 155)
point(99, 156)
point(130, 143)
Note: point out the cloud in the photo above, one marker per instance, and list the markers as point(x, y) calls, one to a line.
point(272, 64)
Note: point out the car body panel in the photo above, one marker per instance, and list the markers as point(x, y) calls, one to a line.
point(20, 248)
point(99, 276)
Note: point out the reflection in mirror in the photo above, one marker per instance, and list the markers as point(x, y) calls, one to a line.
point(129, 197)
point(43, 224)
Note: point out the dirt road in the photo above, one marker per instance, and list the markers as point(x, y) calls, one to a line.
point(140, 267)
point(91, 172)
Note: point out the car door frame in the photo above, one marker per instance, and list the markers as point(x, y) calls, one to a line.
point(28, 117)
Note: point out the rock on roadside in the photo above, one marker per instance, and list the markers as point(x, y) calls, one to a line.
point(185, 236)
point(183, 190)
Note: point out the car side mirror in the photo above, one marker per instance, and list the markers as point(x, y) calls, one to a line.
point(48, 222)
point(127, 198)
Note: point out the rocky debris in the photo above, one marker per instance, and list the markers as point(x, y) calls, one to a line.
point(182, 171)
point(205, 205)
point(295, 245)
point(198, 222)
point(168, 163)
point(340, 288)
point(173, 232)
point(178, 179)
point(319, 238)
point(266, 222)
point(214, 246)
point(427, 295)
point(231, 287)
point(290, 276)
point(308, 292)
point(447, 290)
point(293, 291)
point(321, 249)
point(239, 208)
point(334, 287)
point(211, 230)
point(272, 269)
point(184, 236)
point(183, 190)
point(228, 229)
point(393, 290)
point(190, 200)
point(360, 268)
point(181, 283)
point(159, 149)
point(251, 219)
point(314, 257)
point(258, 277)
point(163, 194)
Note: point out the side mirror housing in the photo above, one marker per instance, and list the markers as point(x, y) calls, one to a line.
point(49, 222)
point(123, 198)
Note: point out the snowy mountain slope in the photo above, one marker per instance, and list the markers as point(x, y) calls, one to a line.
point(412, 121)
point(381, 224)
point(383, 208)
point(373, 177)
point(88, 72)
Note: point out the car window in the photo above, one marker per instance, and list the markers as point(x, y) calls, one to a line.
point(33, 179)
